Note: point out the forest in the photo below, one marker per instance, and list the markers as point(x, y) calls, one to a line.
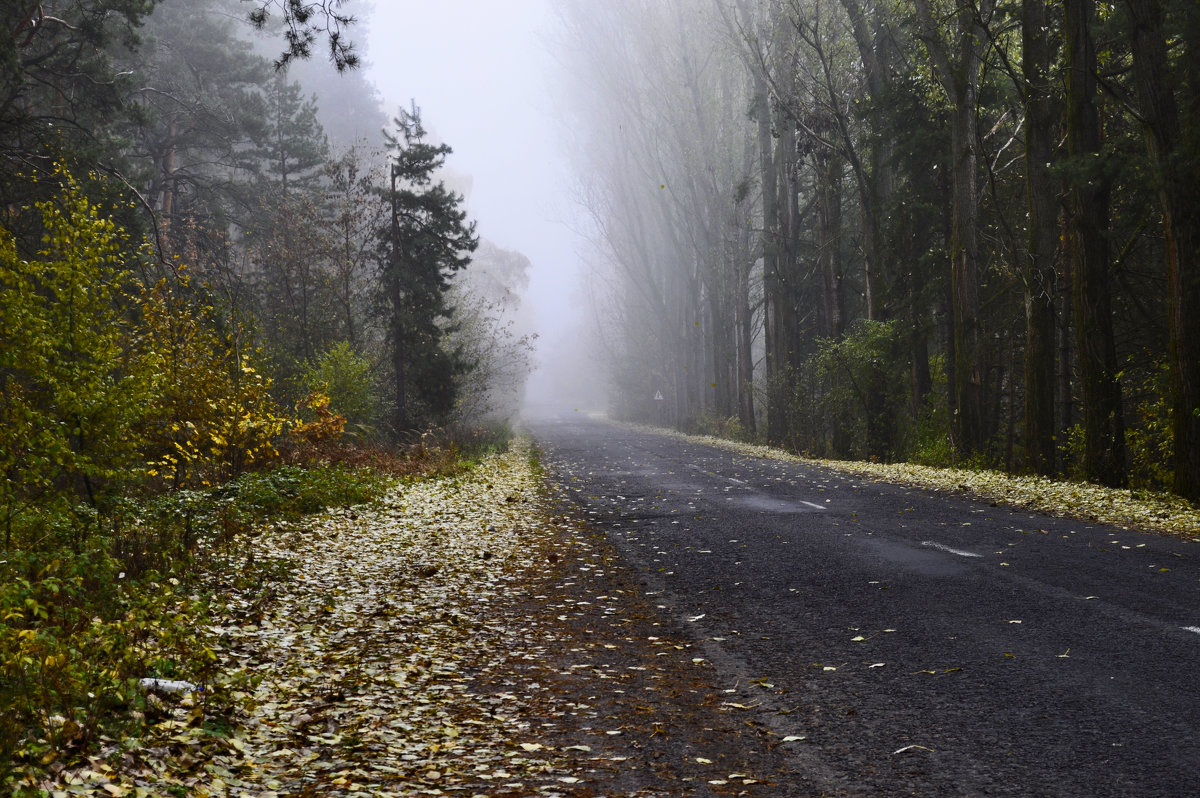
point(942, 231)
point(220, 302)
point(234, 290)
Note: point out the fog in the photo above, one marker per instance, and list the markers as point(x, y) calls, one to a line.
point(833, 224)
point(925, 230)
point(484, 76)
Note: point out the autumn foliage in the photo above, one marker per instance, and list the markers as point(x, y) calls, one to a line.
point(122, 400)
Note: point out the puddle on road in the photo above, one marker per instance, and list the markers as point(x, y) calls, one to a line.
point(910, 557)
point(766, 504)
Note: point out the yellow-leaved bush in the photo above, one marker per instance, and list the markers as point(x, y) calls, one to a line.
point(112, 388)
point(106, 382)
point(217, 416)
point(72, 392)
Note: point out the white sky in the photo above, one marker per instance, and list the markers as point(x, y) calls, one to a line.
point(481, 73)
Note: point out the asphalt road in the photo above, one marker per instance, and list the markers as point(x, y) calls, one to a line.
point(920, 644)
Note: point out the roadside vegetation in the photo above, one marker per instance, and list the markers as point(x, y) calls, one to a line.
point(95, 601)
point(197, 344)
point(86, 625)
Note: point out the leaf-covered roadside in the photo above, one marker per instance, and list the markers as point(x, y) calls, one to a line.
point(1142, 510)
point(342, 640)
point(81, 627)
point(457, 638)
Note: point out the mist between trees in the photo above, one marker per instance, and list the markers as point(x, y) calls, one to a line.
point(949, 232)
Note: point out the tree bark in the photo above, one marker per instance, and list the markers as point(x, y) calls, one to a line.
point(1039, 277)
point(957, 65)
point(1104, 427)
point(772, 304)
point(395, 295)
point(876, 185)
point(745, 354)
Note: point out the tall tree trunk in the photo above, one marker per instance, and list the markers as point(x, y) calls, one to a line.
point(1104, 427)
point(964, 275)
point(875, 187)
point(168, 166)
point(772, 304)
point(722, 352)
point(1042, 188)
point(745, 353)
point(829, 234)
point(396, 298)
point(958, 64)
point(1172, 139)
point(1066, 371)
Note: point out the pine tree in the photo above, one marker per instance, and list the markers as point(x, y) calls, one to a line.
point(429, 240)
point(294, 148)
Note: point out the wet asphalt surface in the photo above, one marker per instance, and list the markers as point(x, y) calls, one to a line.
point(920, 644)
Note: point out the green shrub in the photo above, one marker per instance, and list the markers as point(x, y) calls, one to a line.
point(929, 441)
point(865, 394)
point(345, 377)
point(75, 637)
point(78, 628)
point(1150, 437)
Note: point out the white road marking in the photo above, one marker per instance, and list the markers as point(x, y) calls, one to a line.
point(735, 480)
point(1195, 629)
point(945, 548)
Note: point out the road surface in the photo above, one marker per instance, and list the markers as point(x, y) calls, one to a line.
point(920, 644)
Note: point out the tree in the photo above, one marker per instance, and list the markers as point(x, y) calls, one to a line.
point(296, 299)
point(304, 22)
point(61, 98)
point(430, 239)
point(1090, 189)
point(492, 333)
point(957, 58)
point(72, 390)
point(1168, 85)
point(352, 216)
point(293, 148)
point(1039, 272)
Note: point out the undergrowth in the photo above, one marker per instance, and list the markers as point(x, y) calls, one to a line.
point(85, 614)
